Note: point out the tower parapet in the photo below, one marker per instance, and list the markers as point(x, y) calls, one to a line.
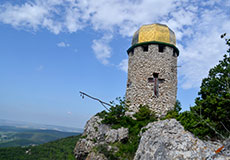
point(152, 69)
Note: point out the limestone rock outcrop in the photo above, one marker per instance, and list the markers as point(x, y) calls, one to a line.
point(160, 140)
point(167, 140)
point(95, 156)
point(96, 134)
point(114, 135)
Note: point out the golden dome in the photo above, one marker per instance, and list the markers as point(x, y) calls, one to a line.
point(154, 34)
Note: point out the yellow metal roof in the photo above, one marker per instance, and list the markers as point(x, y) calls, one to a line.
point(154, 33)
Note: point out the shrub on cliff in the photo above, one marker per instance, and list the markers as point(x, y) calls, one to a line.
point(175, 112)
point(116, 118)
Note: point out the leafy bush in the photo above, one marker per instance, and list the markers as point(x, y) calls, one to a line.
point(196, 125)
point(175, 112)
point(108, 153)
point(116, 118)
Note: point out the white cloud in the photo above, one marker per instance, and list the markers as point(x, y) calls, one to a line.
point(102, 49)
point(124, 65)
point(197, 25)
point(203, 48)
point(55, 15)
point(70, 15)
point(69, 113)
point(28, 14)
point(63, 44)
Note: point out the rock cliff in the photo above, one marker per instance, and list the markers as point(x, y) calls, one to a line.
point(161, 140)
point(167, 140)
point(97, 135)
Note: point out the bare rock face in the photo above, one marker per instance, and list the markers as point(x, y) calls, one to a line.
point(95, 134)
point(115, 135)
point(82, 148)
point(167, 140)
point(95, 130)
point(95, 156)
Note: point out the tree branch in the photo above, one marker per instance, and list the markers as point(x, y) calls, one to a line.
point(82, 94)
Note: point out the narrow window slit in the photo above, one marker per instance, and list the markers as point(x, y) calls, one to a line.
point(145, 48)
point(155, 75)
point(174, 53)
point(161, 48)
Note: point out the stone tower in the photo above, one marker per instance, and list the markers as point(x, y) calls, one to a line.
point(152, 69)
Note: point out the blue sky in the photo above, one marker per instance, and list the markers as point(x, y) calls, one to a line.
point(52, 49)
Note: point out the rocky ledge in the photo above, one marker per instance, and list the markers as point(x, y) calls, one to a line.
point(97, 134)
point(161, 140)
point(167, 140)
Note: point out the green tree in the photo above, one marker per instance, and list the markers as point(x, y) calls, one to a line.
point(211, 114)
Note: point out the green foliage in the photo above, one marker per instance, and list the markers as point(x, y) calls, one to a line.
point(101, 114)
point(143, 117)
point(175, 112)
point(210, 117)
point(116, 118)
point(197, 125)
point(18, 142)
point(144, 114)
point(108, 153)
point(116, 115)
point(61, 149)
point(213, 105)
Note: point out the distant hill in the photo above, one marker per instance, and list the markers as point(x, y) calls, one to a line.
point(61, 149)
point(13, 136)
point(29, 125)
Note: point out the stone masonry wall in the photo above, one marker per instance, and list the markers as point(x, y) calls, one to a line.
point(141, 66)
